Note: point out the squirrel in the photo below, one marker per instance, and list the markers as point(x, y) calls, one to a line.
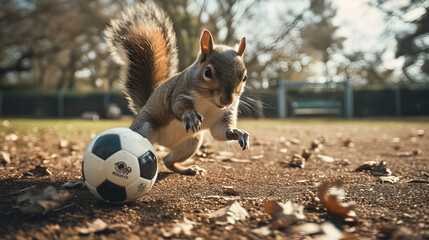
point(174, 109)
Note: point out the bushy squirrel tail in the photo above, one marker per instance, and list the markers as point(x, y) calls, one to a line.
point(143, 42)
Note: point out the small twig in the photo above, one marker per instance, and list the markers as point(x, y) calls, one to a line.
point(61, 208)
point(22, 190)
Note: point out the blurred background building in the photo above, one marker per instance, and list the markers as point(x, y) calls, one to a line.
point(54, 63)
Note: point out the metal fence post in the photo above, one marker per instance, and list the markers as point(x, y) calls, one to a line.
point(348, 100)
point(281, 101)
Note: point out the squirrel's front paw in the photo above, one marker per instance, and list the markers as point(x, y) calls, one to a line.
point(192, 120)
point(242, 136)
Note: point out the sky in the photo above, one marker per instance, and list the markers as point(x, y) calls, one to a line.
point(363, 25)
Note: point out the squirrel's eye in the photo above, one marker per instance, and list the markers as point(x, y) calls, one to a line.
point(208, 73)
point(245, 78)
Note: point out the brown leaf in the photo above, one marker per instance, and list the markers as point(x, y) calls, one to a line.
point(306, 154)
point(4, 157)
point(284, 214)
point(315, 144)
point(230, 214)
point(41, 203)
point(367, 166)
point(325, 230)
point(97, 225)
point(185, 227)
point(38, 171)
point(348, 143)
point(381, 170)
point(297, 161)
point(229, 190)
point(42, 155)
point(332, 201)
point(398, 232)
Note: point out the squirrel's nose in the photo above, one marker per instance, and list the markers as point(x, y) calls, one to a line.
point(226, 101)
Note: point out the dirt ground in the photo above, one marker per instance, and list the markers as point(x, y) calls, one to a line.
point(258, 175)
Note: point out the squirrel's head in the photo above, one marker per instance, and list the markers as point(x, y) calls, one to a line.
point(222, 71)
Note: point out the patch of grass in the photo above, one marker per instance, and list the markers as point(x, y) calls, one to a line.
point(59, 125)
point(68, 125)
point(386, 122)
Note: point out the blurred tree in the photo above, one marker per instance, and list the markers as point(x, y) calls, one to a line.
point(48, 41)
point(412, 37)
point(302, 49)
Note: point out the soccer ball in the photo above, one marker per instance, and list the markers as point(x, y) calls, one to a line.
point(119, 165)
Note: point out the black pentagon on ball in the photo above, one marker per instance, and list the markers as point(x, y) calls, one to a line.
point(112, 192)
point(106, 145)
point(148, 165)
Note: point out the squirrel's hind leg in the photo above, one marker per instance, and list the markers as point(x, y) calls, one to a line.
point(182, 152)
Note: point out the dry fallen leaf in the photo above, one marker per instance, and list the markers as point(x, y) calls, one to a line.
point(42, 155)
point(398, 232)
point(323, 231)
point(306, 154)
point(367, 166)
point(49, 199)
point(297, 161)
point(381, 170)
point(348, 143)
point(230, 214)
point(262, 231)
point(229, 190)
point(97, 226)
point(4, 157)
point(325, 158)
point(330, 195)
point(389, 179)
point(38, 171)
point(284, 214)
point(185, 227)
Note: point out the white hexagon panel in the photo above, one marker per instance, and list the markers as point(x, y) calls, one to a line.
point(122, 168)
point(135, 143)
point(137, 189)
point(94, 170)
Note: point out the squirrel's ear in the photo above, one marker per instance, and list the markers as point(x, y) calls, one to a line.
point(242, 46)
point(206, 43)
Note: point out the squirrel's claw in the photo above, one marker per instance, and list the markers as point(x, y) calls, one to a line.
point(242, 136)
point(192, 120)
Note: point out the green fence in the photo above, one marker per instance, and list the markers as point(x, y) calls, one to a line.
point(405, 101)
